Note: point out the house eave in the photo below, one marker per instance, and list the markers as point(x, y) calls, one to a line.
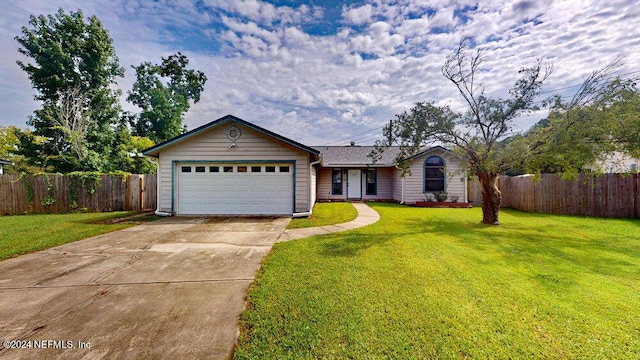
point(356, 165)
point(154, 151)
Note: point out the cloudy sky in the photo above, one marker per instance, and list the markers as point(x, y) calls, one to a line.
point(329, 72)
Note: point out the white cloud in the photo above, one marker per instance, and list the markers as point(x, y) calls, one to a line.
point(358, 15)
point(382, 57)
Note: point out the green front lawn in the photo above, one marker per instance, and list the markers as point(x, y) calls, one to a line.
point(326, 214)
point(434, 283)
point(23, 234)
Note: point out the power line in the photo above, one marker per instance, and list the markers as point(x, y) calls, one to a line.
point(577, 85)
point(351, 137)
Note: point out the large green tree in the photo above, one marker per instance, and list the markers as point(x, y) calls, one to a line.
point(74, 65)
point(163, 92)
point(10, 141)
point(601, 119)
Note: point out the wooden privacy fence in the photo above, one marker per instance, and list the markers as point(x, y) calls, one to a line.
point(53, 193)
point(609, 195)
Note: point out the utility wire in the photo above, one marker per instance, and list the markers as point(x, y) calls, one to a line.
point(351, 137)
point(357, 137)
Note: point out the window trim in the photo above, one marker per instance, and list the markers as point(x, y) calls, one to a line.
point(334, 172)
point(373, 171)
point(425, 178)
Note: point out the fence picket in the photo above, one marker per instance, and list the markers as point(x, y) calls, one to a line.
point(113, 194)
point(611, 195)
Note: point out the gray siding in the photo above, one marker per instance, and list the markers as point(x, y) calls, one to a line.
point(213, 145)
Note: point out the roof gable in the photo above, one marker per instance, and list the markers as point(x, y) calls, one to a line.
point(155, 150)
point(429, 150)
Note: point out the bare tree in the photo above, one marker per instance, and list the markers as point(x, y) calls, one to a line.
point(71, 117)
point(476, 133)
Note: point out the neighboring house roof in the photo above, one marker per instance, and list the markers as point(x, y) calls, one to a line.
point(155, 150)
point(337, 156)
point(5, 162)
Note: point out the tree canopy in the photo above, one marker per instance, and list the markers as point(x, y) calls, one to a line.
point(164, 104)
point(601, 119)
point(72, 58)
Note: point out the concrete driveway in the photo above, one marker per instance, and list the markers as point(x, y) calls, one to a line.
point(169, 289)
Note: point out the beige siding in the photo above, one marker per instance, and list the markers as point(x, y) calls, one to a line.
point(455, 183)
point(214, 145)
point(397, 185)
point(324, 185)
point(385, 185)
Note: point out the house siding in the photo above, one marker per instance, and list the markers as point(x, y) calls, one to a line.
point(213, 145)
point(455, 180)
point(397, 185)
point(384, 178)
point(324, 185)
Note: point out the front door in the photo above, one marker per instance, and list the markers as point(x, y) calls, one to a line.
point(354, 184)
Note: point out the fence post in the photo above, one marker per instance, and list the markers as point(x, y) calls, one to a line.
point(141, 196)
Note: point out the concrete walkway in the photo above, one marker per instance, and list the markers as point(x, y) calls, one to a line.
point(366, 216)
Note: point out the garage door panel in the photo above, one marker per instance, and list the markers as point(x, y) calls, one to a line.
point(255, 191)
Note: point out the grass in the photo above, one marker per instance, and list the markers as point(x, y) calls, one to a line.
point(435, 283)
point(23, 234)
point(326, 214)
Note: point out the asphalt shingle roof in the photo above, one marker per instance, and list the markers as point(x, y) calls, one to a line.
point(355, 156)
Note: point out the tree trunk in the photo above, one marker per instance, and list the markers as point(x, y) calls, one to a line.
point(491, 198)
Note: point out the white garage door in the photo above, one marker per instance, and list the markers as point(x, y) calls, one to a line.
point(235, 189)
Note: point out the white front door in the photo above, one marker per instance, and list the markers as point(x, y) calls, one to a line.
point(354, 184)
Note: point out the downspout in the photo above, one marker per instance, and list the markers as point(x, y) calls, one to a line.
point(402, 195)
point(308, 213)
point(466, 188)
point(158, 212)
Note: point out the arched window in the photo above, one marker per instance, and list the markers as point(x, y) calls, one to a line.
point(434, 174)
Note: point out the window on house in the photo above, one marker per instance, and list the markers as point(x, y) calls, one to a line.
point(434, 174)
point(200, 168)
point(256, 169)
point(242, 169)
point(284, 169)
point(214, 169)
point(372, 182)
point(186, 169)
point(336, 176)
point(228, 169)
point(270, 169)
